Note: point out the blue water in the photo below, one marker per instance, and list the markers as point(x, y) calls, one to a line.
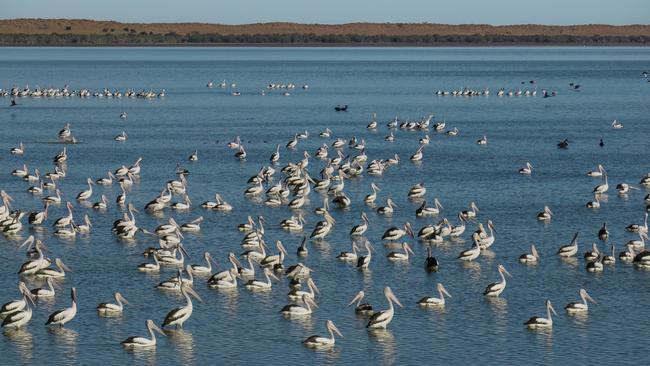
point(243, 327)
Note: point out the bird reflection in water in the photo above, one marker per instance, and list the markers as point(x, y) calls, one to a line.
point(22, 341)
point(499, 307)
point(385, 341)
point(184, 343)
point(67, 340)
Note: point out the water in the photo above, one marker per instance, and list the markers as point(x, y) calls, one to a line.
point(243, 327)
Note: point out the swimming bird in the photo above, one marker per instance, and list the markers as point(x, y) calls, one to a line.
point(570, 249)
point(537, 322)
point(316, 341)
point(16, 305)
point(545, 215)
point(435, 301)
point(137, 342)
point(396, 256)
point(255, 285)
point(364, 261)
point(526, 170)
point(381, 319)
point(532, 257)
point(113, 309)
point(598, 172)
point(19, 318)
point(46, 292)
point(472, 212)
point(297, 310)
point(580, 307)
point(602, 188)
point(361, 308)
point(496, 288)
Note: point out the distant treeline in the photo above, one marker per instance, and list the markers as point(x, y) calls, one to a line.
point(144, 38)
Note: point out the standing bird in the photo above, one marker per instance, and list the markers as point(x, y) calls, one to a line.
point(63, 316)
point(495, 289)
point(179, 315)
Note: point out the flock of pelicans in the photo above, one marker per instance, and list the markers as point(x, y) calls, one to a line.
point(39, 92)
point(275, 186)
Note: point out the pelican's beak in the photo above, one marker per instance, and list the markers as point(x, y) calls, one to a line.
point(193, 293)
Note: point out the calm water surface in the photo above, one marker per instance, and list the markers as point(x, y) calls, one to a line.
point(242, 327)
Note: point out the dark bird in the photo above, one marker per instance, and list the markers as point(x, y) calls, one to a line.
point(563, 144)
point(602, 143)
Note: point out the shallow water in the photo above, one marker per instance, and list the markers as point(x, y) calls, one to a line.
point(241, 327)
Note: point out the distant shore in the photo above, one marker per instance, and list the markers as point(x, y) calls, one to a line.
point(88, 33)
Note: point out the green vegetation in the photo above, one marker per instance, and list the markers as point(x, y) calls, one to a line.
point(149, 38)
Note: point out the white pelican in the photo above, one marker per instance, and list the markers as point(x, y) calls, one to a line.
point(20, 172)
point(372, 196)
point(49, 272)
point(16, 305)
point(360, 229)
point(360, 308)
point(373, 122)
point(453, 132)
point(595, 203)
point(580, 307)
point(396, 256)
point(292, 144)
point(424, 211)
point(381, 319)
point(496, 288)
point(395, 233)
point(472, 212)
point(271, 260)
point(483, 240)
point(627, 256)
point(349, 256)
point(38, 217)
point(603, 233)
point(602, 188)
point(229, 281)
point(45, 292)
point(113, 309)
point(150, 267)
point(470, 254)
point(254, 285)
point(526, 170)
point(459, 229)
point(482, 141)
point(316, 341)
point(241, 153)
point(545, 215)
point(293, 309)
point(417, 191)
point(598, 172)
point(235, 144)
point(592, 254)
point(63, 316)
point(179, 315)
point(323, 228)
point(142, 342)
point(596, 265)
point(19, 150)
point(624, 188)
point(532, 257)
point(54, 199)
point(102, 204)
point(61, 157)
point(297, 293)
point(275, 157)
point(85, 227)
point(418, 155)
point(435, 301)
point(65, 220)
point(18, 318)
point(194, 156)
point(537, 322)
point(106, 181)
point(84, 195)
point(388, 209)
point(364, 261)
point(570, 249)
point(617, 125)
point(635, 228)
point(121, 137)
point(192, 226)
point(182, 206)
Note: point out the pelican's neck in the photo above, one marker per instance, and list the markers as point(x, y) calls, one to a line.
point(503, 277)
point(152, 334)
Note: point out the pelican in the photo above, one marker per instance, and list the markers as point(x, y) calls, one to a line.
point(275, 157)
point(141, 342)
point(254, 285)
point(545, 215)
point(617, 125)
point(453, 132)
point(102, 204)
point(571, 249)
point(598, 172)
point(635, 228)
point(84, 195)
point(388, 209)
point(417, 191)
point(85, 227)
point(459, 229)
point(121, 137)
point(527, 169)
point(396, 256)
point(470, 254)
point(19, 150)
point(628, 255)
point(418, 155)
point(227, 281)
point(192, 226)
point(482, 141)
point(364, 261)
point(595, 266)
point(601, 188)
point(297, 310)
point(65, 132)
point(592, 254)
point(485, 241)
point(472, 212)
point(20, 172)
point(372, 196)
point(610, 259)
point(323, 228)
point(106, 181)
point(360, 308)
point(297, 294)
point(49, 272)
point(178, 316)
point(63, 316)
point(595, 203)
point(293, 224)
point(16, 305)
point(235, 144)
point(349, 256)
point(381, 319)
point(390, 137)
point(45, 292)
point(38, 217)
point(435, 301)
point(496, 288)
point(316, 341)
point(603, 233)
point(395, 233)
point(182, 206)
point(373, 122)
point(241, 153)
point(53, 199)
point(424, 211)
point(194, 156)
point(61, 157)
point(271, 260)
point(624, 188)
point(292, 144)
point(65, 220)
point(325, 133)
point(112, 309)
point(200, 269)
point(640, 243)
point(360, 229)
point(537, 322)
point(302, 250)
point(18, 318)
point(533, 257)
